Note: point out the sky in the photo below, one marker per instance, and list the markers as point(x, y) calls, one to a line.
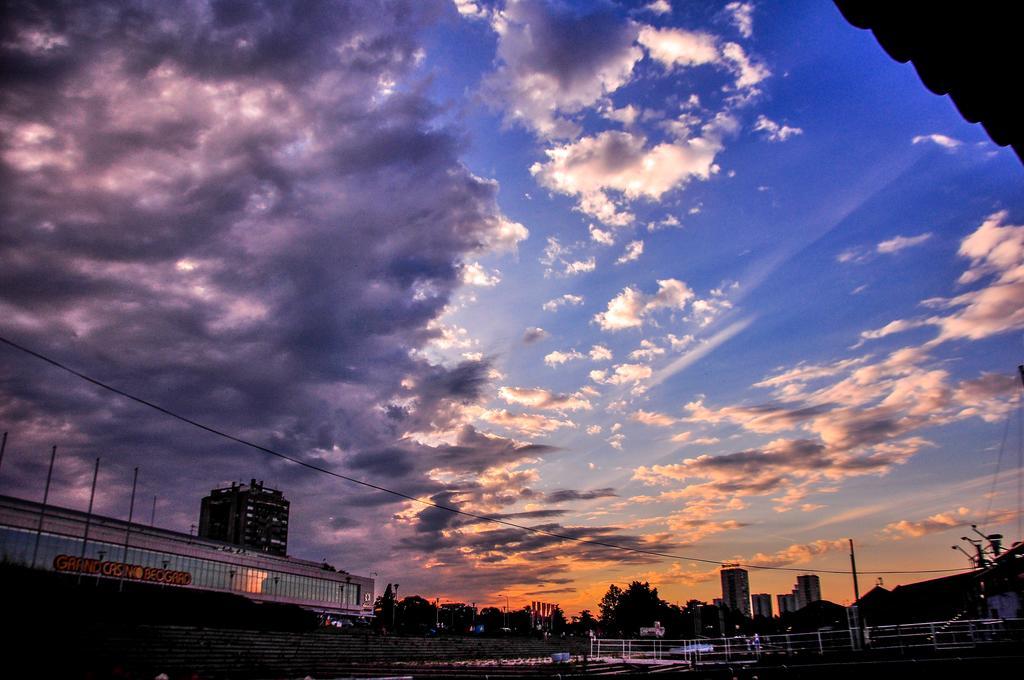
point(715, 279)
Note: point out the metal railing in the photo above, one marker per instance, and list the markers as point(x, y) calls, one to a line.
point(934, 635)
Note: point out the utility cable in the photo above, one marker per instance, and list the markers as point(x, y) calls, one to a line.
point(399, 494)
point(999, 465)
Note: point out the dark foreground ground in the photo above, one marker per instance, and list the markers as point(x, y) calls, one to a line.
point(54, 627)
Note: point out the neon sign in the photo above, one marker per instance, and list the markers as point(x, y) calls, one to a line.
point(133, 572)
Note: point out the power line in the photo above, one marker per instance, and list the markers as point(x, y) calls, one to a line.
point(399, 494)
point(999, 465)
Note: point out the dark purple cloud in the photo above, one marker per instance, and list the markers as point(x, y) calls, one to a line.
point(229, 209)
point(563, 495)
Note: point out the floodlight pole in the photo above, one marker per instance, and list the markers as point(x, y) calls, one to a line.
point(88, 516)
point(128, 530)
point(42, 510)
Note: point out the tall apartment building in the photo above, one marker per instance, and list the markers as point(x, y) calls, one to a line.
point(249, 515)
point(736, 589)
point(807, 590)
point(787, 603)
point(761, 604)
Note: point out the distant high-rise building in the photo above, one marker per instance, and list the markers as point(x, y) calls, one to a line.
point(736, 589)
point(761, 604)
point(248, 515)
point(807, 590)
point(787, 603)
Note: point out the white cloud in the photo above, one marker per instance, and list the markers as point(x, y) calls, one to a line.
point(891, 328)
point(942, 521)
point(554, 251)
point(600, 353)
point(668, 222)
point(621, 162)
point(862, 254)
point(536, 397)
point(504, 235)
point(471, 9)
point(679, 47)
point(774, 131)
point(616, 440)
point(622, 374)
point(627, 115)
point(602, 236)
point(557, 358)
point(634, 249)
point(473, 274)
point(654, 418)
point(629, 308)
point(562, 301)
point(554, 62)
point(863, 420)
point(534, 334)
point(748, 72)
point(704, 311)
point(995, 250)
point(894, 245)
point(556, 260)
point(449, 336)
point(856, 255)
point(941, 140)
point(742, 15)
point(798, 553)
point(678, 344)
point(580, 266)
point(532, 424)
point(647, 351)
point(659, 7)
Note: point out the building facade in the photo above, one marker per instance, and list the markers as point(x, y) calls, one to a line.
point(786, 602)
point(251, 515)
point(64, 540)
point(736, 589)
point(761, 604)
point(807, 590)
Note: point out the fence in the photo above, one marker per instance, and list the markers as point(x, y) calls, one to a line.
point(937, 636)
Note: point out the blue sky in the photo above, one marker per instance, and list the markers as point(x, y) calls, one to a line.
point(774, 221)
point(719, 279)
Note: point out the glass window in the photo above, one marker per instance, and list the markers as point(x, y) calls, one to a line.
point(17, 545)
